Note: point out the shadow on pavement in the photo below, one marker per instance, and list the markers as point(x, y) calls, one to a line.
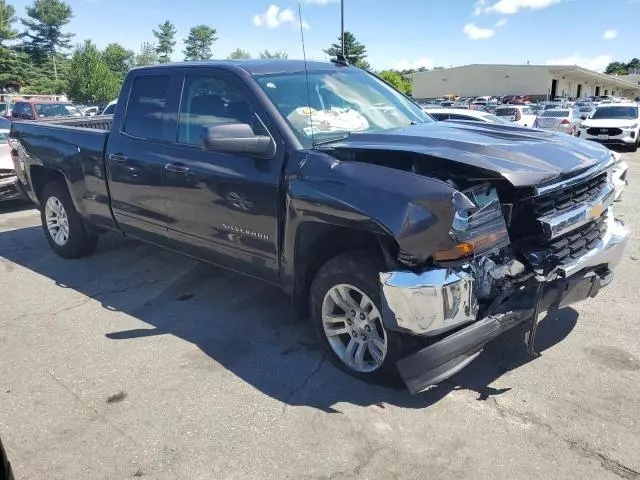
point(244, 325)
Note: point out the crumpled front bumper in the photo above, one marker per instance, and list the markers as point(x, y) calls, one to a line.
point(10, 188)
point(440, 300)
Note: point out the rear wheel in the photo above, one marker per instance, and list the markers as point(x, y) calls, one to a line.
point(63, 227)
point(346, 311)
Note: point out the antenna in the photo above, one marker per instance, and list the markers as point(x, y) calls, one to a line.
point(342, 26)
point(306, 74)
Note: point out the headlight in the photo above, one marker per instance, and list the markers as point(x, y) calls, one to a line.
point(633, 126)
point(478, 225)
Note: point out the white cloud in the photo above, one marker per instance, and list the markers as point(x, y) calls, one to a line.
point(594, 63)
point(479, 7)
point(610, 34)
point(501, 23)
point(321, 2)
point(415, 64)
point(509, 7)
point(476, 33)
point(274, 17)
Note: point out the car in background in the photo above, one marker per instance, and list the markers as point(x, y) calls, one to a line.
point(563, 120)
point(89, 111)
point(519, 114)
point(613, 124)
point(9, 185)
point(585, 110)
point(110, 108)
point(424, 106)
point(442, 114)
point(34, 109)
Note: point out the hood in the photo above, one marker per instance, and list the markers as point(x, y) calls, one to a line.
point(523, 156)
point(608, 123)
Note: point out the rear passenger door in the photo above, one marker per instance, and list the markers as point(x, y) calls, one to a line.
point(222, 207)
point(136, 156)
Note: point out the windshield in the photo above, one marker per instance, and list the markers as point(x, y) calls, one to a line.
point(496, 119)
point(624, 113)
point(506, 112)
point(555, 113)
point(337, 102)
point(54, 109)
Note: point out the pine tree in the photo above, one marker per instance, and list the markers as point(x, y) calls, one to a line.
point(239, 54)
point(147, 54)
point(277, 55)
point(198, 43)
point(354, 52)
point(166, 41)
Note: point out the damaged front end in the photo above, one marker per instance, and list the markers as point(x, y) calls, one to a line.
point(488, 281)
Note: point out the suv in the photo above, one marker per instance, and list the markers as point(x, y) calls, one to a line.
point(33, 109)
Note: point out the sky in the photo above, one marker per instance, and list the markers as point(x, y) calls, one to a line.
point(397, 33)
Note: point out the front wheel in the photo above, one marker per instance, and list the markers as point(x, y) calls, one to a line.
point(63, 227)
point(346, 311)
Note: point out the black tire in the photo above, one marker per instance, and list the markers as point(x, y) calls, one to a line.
point(361, 270)
point(79, 242)
point(634, 148)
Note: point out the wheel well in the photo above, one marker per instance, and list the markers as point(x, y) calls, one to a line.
point(316, 244)
point(41, 176)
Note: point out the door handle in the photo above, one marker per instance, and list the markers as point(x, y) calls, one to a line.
point(117, 157)
point(176, 168)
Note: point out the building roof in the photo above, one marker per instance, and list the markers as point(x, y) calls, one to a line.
point(258, 67)
point(555, 69)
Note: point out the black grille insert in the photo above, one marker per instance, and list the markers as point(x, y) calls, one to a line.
point(570, 197)
point(604, 131)
point(576, 243)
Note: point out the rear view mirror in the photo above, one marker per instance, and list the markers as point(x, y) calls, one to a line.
point(238, 138)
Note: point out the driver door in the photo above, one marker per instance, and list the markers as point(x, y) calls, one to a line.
point(221, 207)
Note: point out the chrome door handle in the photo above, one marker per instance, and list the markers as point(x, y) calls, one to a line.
point(117, 157)
point(176, 168)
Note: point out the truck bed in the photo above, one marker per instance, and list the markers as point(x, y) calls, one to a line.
point(97, 122)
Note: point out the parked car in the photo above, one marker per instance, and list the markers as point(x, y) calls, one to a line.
point(90, 111)
point(613, 124)
point(110, 108)
point(411, 243)
point(9, 185)
point(441, 114)
point(519, 114)
point(564, 120)
point(33, 109)
point(584, 110)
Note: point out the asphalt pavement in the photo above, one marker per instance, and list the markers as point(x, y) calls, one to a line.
point(140, 363)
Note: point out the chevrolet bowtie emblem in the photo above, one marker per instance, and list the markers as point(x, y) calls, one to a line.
point(596, 211)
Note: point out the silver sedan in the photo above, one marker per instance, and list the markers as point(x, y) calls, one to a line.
point(563, 120)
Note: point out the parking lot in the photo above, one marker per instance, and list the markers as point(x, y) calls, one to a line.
point(139, 363)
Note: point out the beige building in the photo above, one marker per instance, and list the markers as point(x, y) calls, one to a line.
point(538, 81)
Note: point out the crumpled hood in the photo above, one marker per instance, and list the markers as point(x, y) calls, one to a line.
point(523, 156)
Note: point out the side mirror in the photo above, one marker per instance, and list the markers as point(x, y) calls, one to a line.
point(583, 117)
point(238, 138)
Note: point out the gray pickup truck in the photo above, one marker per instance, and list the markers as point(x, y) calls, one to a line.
point(410, 243)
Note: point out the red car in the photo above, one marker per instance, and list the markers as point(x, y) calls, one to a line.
point(34, 109)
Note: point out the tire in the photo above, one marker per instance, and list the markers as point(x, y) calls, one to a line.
point(357, 273)
point(59, 216)
point(634, 148)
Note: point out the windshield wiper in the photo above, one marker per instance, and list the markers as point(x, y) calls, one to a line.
point(324, 141)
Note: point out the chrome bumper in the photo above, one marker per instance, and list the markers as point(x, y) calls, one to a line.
point(439, 300)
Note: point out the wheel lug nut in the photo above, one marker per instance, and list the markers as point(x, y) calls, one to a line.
point(364, 337)
point(348, 321)
point(355, 334)
point(367, 328)
point(353, 313)
point(362, 316)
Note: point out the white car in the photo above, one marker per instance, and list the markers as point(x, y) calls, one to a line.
point(89, 111)
point(613, 124)
point(619, 175)
point(441, 114)
point(519, 114)
point(110, 108)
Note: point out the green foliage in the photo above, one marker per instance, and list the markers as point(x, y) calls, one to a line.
point(90, 79)
point(165, 35)
point(147, 55)
point(239, 54)
point(354, 51)
point(394, 78)
point(44, 23)
point(118, 59)
point(198, 43)
point(7, 19)
point(622, 68)
point(277, 55)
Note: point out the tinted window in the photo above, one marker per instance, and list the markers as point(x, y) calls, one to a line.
point(209, 100)
point(463, 117)
point(555, 113)
point(625, 113)
point(439, 116)
point(146, 107)
point(109, 110)
point(505, 112)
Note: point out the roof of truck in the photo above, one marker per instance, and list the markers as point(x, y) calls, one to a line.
point(256, 67)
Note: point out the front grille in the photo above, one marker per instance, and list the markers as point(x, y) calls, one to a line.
point(567, 198)
point(612, 132)
point(576, 243)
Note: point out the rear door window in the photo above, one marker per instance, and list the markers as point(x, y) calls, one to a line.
point(147, 107)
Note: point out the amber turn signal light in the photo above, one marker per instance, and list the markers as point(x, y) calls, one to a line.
point(461, 250)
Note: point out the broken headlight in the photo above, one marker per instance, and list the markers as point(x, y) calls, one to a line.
point(478, 224)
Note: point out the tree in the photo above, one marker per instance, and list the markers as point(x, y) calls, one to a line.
point(7, 19)
point(10, 78)
point(147, 55)
point(44, 36)
point(239, 54)
point(166, 41)
point(118, 59)
point(616, 68)
point(354, 51)
point(198, 43)
point(90, 80)
point(633, 65)
point(277, 55)
point(395, 79)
